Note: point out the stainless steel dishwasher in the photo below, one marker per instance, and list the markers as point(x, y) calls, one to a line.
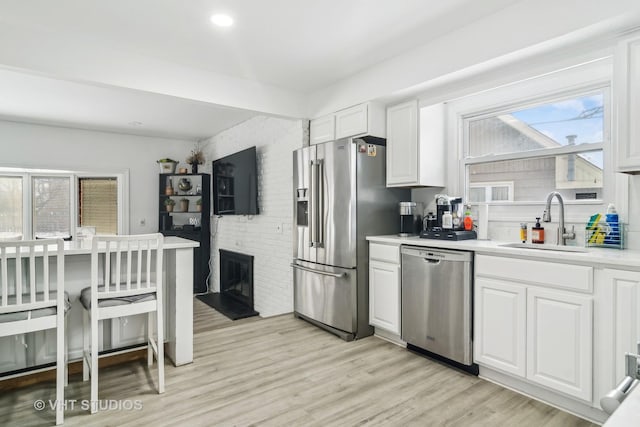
point(437, 302)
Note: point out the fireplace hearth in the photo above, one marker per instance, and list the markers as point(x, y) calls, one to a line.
point(235, 299)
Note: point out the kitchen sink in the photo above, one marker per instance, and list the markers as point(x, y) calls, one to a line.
point(544, 247)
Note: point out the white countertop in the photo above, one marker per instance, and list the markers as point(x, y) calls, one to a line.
point(593, 256)
point(76, 247)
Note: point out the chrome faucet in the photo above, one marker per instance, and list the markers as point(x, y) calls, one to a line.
point(562, 236)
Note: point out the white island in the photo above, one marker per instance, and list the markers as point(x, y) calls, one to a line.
point(39, 348)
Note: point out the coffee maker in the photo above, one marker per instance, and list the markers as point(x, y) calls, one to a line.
point(410, 219)
point(448, 223)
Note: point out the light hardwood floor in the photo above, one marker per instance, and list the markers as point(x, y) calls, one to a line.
point(282, 371)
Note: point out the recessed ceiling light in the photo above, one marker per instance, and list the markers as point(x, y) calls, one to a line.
point(135, 123)
point(222, 20)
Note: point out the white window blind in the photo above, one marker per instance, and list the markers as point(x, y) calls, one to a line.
point(98, 204)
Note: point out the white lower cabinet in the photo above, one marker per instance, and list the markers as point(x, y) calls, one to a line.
point(559, 341)
point(384, 296)
point(624, 287)
point(542, 335)
point(384, 287)
point(500, 328)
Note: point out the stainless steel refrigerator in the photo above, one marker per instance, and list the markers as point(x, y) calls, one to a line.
point(340, 197)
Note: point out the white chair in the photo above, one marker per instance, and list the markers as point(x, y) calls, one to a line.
point(29, 303)
point(126, 279)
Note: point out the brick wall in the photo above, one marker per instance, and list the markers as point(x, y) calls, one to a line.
point(266, 236)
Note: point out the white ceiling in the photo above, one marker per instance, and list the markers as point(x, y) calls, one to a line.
point(299, 46)
point(100, 64)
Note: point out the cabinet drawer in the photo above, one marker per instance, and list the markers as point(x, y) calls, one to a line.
point(548, 274)
point(387, 253)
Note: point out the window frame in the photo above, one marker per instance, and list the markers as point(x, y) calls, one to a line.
point(27, 175)
point(571, 81)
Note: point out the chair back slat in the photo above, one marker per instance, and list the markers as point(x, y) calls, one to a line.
point(32, 274)
point(129, 268)
point(139, 269)
point(131, 252)
point(107, 267)
point(45, 272)
point(118, 276)
point(18, 276)
point(26, 275)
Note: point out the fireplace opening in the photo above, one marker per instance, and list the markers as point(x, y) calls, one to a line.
point(235, 299)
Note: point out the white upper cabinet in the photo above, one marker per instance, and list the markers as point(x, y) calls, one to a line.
point(322, 129)
point(627, 96)
point(362, 119)
point(415, 145)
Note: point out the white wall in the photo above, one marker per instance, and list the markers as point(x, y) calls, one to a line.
point(50, 147)
point(266, 236)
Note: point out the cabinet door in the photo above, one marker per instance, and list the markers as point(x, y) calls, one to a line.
point(627, 77)
point(559, 341)
point(500, 325)
point(431, 146)
point(352, 121)
point(626, 303)
point(384, 296)
point(402, 144)
point(322, 130)
point(13, 352)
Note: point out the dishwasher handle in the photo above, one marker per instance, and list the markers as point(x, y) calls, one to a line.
point(433, 261)
point(436, 254)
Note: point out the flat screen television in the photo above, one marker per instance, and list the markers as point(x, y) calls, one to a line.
point(235, 184)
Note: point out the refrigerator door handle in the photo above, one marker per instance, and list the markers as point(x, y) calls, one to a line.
point(312, 270)
point(312, 211)
point(320, 205)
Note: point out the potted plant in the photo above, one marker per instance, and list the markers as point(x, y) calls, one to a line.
point(195, 158)
point(167, 165)
point(169, 203)
point(199, 205)
point(184, 204)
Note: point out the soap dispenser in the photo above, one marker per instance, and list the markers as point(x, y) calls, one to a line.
point(537, 232)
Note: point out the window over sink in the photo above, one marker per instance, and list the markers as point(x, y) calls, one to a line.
point(552, 145)
point(522, 140)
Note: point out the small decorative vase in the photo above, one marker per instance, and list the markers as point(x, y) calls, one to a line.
point(168, 190)
point(184, 205)
point(198, 208)
point(169, 208)
point(184, 184)
point(194, 168)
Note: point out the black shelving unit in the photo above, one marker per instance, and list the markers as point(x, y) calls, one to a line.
point(224, 195)
point(191, 223)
